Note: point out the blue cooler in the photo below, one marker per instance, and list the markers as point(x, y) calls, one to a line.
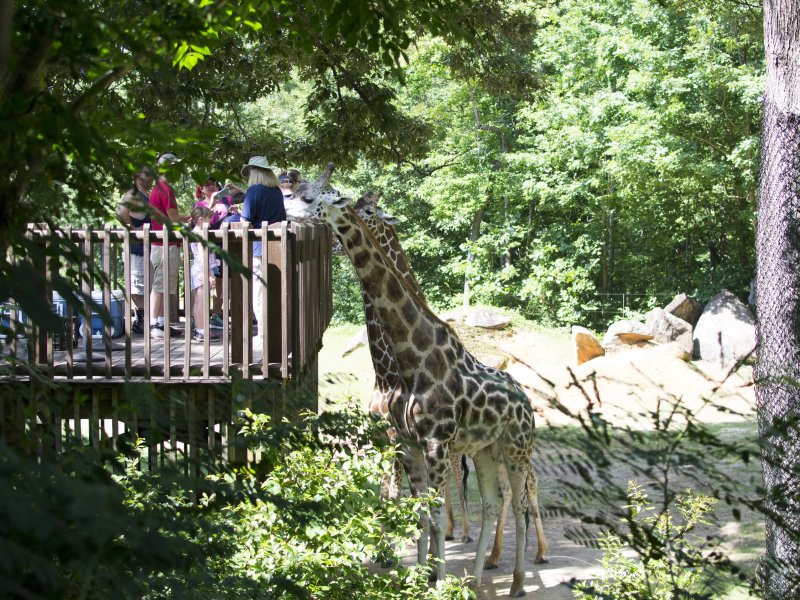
point(117, 314)
point(7, 312)
point(59, 305)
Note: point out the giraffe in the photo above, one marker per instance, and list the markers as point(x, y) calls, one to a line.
point(381, 226)
point(446, 398)
point(387, 376)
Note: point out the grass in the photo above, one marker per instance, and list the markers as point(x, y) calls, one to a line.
point(344, 378)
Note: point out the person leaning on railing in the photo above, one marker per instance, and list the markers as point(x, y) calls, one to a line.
point(132, 213)
point(164, 207)
point(216, 198)
point(263, 203)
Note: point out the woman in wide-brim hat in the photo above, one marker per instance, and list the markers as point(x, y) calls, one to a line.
point(263, 203)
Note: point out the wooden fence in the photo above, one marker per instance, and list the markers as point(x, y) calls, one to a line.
point(296, 275)
point(182, 397)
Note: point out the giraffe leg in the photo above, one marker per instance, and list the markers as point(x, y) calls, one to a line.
point(413, 460)
point(448, 507)
point(438, 472)
point(533, 503)
point(486, 472)
point(457, 469)
point(457, 459)
point(505, 489)
point(517, 477)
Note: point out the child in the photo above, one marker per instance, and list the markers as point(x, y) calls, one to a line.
point(201, 273)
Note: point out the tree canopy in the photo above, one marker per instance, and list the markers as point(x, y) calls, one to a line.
point(551, 156)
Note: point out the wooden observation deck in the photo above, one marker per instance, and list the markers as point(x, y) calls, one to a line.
point(84, 385)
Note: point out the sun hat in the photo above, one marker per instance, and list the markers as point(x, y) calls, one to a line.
point(168, 159)
point(260, 162)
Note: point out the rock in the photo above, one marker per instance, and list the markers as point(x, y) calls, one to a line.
point(488, 319)
point(452, 315)
point(494, 361)
point(685, 308)
point(358, 340)
point(625, 333)
point(673, 350)
point(667, 328)
point(587, 346)
point(725, 332)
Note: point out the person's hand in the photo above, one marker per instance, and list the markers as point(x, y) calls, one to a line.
point(234, 188)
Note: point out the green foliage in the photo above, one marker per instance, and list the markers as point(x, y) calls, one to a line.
point(674, 573)
point(637, 149)
point(348, 306)
point(306, 523)
point(68, 532)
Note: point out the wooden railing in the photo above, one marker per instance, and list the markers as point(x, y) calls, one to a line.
point(296, 273)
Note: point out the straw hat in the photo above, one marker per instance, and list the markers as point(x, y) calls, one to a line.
point(260, 162)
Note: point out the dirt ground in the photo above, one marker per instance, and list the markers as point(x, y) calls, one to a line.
point(624, 386)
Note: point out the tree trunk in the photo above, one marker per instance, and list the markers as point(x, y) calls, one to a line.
point(473, 237)
point(778, 298)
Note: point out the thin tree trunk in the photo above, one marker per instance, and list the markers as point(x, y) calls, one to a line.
point(473, 237)
point(778, 299)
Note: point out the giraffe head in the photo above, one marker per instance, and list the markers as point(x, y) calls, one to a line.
point(367, 208)
point(315, 201)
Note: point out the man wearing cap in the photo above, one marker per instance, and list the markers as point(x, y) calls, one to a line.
point(263, 203)
point(165, 209)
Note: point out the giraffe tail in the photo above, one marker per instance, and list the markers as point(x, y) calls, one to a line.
point(465, 470)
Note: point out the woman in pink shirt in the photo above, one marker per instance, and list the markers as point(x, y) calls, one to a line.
point(211, 195)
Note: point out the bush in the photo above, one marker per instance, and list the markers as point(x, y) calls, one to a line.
point(675, 567)
point(307, 525)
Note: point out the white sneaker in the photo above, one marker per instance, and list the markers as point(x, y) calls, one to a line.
point(157, 332)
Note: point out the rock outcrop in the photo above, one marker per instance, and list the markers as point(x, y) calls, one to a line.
point(488, 319)
point(587, 346)
point(666, 328)
point(725, 332)
point(625, 333)
point(686, 308)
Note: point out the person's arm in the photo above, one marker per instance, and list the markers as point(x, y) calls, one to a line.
point(124, 215)
point(124, 211)
point(174, 215)
point(245, 213)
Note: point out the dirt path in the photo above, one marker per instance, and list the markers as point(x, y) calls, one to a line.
point(626, 387)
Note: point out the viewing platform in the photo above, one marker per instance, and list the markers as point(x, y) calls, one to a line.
point(180, 393)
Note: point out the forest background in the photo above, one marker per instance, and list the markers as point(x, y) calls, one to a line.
point(545, 156)
point(563, 160)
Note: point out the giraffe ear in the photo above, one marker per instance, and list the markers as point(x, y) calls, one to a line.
point(388, 219)
point(342, 201)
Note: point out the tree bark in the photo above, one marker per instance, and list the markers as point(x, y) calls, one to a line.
point(475, 232)
point(778, 299)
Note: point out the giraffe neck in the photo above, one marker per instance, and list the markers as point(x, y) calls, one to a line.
point(412, 330)
point(387, 237)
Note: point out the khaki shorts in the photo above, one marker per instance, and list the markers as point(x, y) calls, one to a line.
point(137, 274)
point(156, 259)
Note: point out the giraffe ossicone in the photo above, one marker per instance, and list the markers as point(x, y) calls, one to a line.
point(445, 399)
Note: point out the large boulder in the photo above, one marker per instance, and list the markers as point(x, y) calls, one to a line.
point(626, 333)
point(493, 360)
point(725, 332)
point(488, 319)
point(686, 308)
point(667, 328)
point(587, 346)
